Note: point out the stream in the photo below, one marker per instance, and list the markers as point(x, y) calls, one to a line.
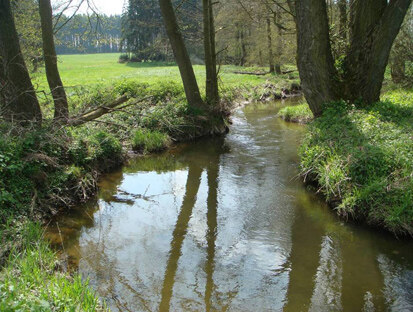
point(225, 224)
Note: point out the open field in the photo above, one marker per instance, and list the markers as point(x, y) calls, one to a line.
point(104, 69)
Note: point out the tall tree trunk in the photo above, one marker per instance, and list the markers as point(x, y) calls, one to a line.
point(342, 7)
point(17, 92)
point(279, 45)
point(243, 47)
point(181, 54)
point(374, 27)
point(398, 67)
point(212, 93)
point(269, 41)
point(315, 61)
point(61, 112)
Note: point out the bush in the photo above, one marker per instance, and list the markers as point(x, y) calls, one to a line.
point(145, 141)
point(362, 160)
point(123, 58)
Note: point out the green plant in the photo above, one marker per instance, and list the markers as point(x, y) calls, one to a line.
point(145, 141)
point(362, 160)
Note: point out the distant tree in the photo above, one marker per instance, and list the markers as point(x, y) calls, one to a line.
point(374, 24)
point(88, 34)
point(18, 98)
point(61, 112)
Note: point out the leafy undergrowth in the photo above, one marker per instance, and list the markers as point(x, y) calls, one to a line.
point(298, 113)
point(362, 160)
point(43, 171)
point(145, 141)
point(31, 280)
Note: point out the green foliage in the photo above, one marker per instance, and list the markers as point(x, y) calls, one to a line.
point(51, 168)
point(298, 113)
point(362, 160)
point(145, 141)
point(30, 280)
point(105, 146)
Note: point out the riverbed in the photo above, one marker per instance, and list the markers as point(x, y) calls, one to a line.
point(226, 224)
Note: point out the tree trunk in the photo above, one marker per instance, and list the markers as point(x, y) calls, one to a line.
point(374, 27)
point(279, 46)
point(315, 61)
point(61, 112)
point(181, 54)
point(212, 93)
point(17, 92)
point(398, 68)
point(269, 41)
point(342, 7)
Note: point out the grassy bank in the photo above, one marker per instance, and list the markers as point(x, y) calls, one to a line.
point(44, 171)
point(362, 160)
point(31, 279)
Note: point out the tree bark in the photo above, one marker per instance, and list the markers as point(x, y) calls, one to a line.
point(181, 55)
point(374, 27)
point(315, 61)
point(269, 41)
point(342, 7)
point(398, 62)
point(61, 112)
point(279, 46)
point(18, 96)
point(212, 93)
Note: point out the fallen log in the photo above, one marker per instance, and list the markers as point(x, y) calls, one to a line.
point(250, 73)
point(102, 110)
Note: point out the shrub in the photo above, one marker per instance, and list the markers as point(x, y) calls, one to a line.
point(145, 141)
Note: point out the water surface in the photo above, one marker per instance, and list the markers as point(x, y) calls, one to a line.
point(224, 224)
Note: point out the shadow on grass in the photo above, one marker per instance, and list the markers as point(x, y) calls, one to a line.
point(150, 64)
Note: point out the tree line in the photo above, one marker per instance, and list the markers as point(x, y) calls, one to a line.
point(343, 46)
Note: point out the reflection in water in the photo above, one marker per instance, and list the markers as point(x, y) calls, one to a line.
point(224, 224)
point(192, 186)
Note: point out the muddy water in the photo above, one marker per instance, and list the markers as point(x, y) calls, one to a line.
point(223, 224)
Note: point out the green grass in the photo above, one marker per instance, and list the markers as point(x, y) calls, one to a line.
point(298, 113)
point(31, 282)
point(146, 141)
point(362, 160)
point(104, 69)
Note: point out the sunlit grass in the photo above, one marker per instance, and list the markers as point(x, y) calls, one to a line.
point(93, 69)
point(31, 280)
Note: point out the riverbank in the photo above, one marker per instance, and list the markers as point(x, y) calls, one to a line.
point(362, 159)
point(49, 170)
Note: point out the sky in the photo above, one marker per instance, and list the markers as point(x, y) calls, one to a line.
point(108, 7)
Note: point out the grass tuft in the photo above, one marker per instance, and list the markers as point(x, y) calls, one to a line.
point(298, 113)
point(146, 141)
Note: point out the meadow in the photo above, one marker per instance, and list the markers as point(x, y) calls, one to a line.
point(104, 69)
